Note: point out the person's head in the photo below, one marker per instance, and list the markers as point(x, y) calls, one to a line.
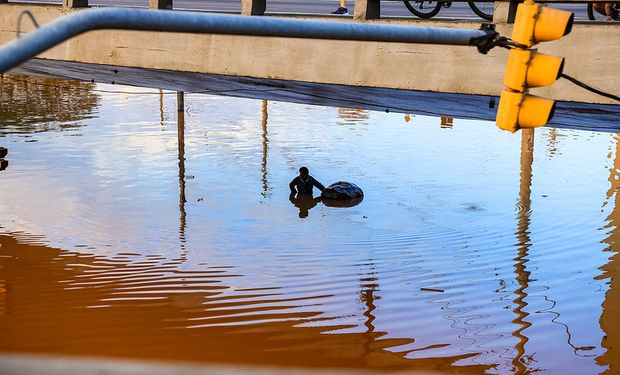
point(303, 171)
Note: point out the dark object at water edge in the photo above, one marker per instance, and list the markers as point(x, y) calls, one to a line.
point(3, 164)
point(3, 152)
point(342, 202)
point(342, 190)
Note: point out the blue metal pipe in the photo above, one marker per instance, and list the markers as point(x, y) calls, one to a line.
point(28, 46)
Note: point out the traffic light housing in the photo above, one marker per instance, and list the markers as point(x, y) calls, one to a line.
point(517, 110)
point(527, 68)
point(536, 23)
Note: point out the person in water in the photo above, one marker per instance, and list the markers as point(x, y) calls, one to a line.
point(304, 183)
point(301, 192)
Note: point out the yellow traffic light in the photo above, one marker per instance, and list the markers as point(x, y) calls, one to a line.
point(518, 110)
point(527, 68)
point(536, 23)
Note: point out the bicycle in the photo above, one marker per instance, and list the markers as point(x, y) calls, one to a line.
point(597, 15)
point(430, 8)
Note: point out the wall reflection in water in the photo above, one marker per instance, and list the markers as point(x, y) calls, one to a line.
point(33, 104)
point(181, 243)
point(150, 307)
point(352, 116)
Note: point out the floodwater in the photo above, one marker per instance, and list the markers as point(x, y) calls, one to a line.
point(474, 250)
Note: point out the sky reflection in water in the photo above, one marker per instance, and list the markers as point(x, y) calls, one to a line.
point(472, 247)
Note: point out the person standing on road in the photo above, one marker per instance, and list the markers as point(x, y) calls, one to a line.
point(342, 9)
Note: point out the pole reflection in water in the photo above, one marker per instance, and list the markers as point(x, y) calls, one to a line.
point(523, 245)
point(369, 286)
point(265, 141)
point(162, 117)
point(181, 145)
point(611, 271)
point(552, 144)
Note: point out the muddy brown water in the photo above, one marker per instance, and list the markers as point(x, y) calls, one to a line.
point(474, 250)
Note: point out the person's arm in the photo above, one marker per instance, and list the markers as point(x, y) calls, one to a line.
point(317, 184)
point(292, 185)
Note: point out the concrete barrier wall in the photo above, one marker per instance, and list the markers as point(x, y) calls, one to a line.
point(391, 65)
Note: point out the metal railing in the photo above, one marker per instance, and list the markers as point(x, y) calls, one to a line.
point(47, 36)
point(364, 9)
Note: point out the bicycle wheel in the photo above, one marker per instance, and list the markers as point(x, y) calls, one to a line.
point(483, 9)
point(591, 12)
point(594, 15)
point(423, 9)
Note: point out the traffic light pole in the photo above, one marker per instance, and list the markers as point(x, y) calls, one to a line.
point(47, 36)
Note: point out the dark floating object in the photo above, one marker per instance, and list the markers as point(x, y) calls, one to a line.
point(473, 207)
point(432, 290)
point(342, 202)
point(3, 164)
point(342, 190)
point(3, 152)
